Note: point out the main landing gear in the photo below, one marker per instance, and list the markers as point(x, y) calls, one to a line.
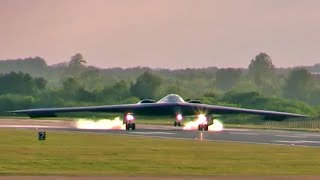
point(129, 121)
point(203, 127)
point(177, 123)
point(130, 126)
point(203, 122)
point(179, 118)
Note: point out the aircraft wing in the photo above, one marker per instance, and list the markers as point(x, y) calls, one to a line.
point(141, 109)
point(159, 109)
point(213, 109)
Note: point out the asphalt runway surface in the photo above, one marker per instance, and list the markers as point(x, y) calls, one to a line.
point(227, 135)
point(254, 136)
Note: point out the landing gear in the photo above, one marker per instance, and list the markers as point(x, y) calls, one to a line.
point(129, 121)
point(203, 127)
point(206, 127)
point(130, 126)
point(179, 118)
point(177, 123)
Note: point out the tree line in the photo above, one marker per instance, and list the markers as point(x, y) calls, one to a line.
point(32, 83)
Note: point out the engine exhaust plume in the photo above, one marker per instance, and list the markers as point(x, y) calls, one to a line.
point(216, 126)
point(193, 125)
point(105, 124)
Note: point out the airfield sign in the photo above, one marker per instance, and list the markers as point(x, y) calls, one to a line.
point(41, 135)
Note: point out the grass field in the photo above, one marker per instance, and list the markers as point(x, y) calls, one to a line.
point(92, 154)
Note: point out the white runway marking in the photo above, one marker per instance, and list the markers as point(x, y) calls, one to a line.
point(147, 133)
point(291, 136)
point(235, 129)
point(299, 142)
point(311, 135)
point(29, 126)
point(243, 133)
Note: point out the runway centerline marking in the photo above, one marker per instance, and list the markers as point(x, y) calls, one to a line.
point(244, 133)
point(148, 133)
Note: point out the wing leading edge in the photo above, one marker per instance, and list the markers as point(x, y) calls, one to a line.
point(160, 109)
point(213, 109)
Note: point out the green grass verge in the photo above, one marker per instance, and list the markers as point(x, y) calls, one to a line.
point(92, 154)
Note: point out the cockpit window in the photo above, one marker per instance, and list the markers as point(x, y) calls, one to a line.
point(171, 98)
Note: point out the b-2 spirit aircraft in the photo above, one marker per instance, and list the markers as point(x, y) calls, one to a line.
point(171, 104)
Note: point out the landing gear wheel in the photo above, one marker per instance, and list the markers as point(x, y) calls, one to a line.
point(206, 127)
point(175, 123)
point(179, 123)
point(131, 126)
point(200, 127)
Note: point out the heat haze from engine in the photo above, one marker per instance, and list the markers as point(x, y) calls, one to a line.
point(103, 124)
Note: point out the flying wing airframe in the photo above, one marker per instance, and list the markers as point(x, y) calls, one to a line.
point(172, 105)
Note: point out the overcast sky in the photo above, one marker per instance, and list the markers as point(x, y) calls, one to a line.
point(162, 33)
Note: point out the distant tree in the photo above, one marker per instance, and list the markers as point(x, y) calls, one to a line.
point(298, 84)
point(210, 97)
point(146, 85)
point(35, 66)
point(257, 100)
point(17, 83)
point(92, 79)
point(116, 93)
point(71, 87)
point(77, 60)
point(15, 101)
point(71, 84)
point(314, 97)
point(40, 83)
point(86, 96)
point(227, 78)
point(245, 85)
point(173, 89)
point(76, 65)
point(261, 69)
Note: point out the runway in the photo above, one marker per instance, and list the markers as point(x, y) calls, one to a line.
point(254, 136)
point(227, 135)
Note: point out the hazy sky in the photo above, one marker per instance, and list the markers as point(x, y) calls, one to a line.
point(162, 33)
